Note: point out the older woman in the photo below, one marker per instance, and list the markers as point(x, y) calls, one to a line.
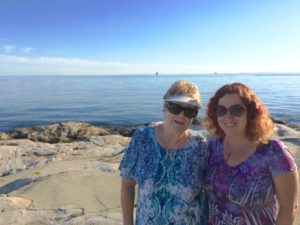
point(167, 161)
point(252, 179)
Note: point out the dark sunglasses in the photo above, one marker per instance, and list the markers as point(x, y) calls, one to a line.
point(176, 109)
point(234, 110)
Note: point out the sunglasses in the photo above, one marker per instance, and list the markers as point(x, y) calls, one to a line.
point(234, 110)
point(176, 109)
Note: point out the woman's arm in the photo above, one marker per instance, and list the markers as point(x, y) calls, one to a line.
point(287, 191)
point(127, 200)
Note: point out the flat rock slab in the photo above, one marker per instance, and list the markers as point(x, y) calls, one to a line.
point(93, 191)
point(8, 204)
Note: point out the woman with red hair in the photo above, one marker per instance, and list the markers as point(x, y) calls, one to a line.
point(251, 178)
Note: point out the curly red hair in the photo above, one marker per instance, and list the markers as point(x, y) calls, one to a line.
point(259, 127)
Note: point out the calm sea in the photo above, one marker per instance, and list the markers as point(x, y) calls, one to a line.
point(126, 100)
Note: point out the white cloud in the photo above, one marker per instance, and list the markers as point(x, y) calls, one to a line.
point(26, 50)
point(9, 48)
point(75, 66)
point(15, 65)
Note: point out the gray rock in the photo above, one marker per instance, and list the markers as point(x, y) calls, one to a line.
point(18, 155)
point(54, 133)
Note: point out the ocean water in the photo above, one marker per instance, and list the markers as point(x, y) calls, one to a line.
point(127, 100)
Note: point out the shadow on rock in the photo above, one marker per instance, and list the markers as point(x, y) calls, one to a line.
point(14, 185)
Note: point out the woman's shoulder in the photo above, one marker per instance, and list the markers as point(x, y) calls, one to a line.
point(143, 131)
point(279, 157)
point(196, 136)
point(276, 147)
point(197, 144)
point(139, 159)
point(274, 144)
point(143, 135)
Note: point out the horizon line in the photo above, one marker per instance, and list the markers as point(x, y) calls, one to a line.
point(162, 74)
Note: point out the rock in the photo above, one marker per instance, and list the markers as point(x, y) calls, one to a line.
point(18, 155)
point(283, 130)
point(278, 121)
point(4, 136)
point(8, 204)
point(54, 133)
point(197, 121)
point(109, 140)
point(125, 131)
point(59, 216)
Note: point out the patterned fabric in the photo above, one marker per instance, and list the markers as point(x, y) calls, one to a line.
point(245, 194)
point(169, 182)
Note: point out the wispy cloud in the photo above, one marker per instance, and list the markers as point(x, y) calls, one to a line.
point(9, 48)
point(16, 65)
point(13, 48)
point(26, 50)
point(76, 66)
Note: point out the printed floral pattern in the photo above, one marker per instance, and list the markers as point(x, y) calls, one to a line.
point(169, 182)
point(245, 194)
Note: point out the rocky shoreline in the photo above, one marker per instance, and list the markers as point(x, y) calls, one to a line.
point(66, 173)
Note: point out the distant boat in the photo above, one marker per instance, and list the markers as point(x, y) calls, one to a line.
point(156, 73)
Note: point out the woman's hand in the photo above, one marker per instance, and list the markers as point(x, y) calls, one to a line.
point(287, 191)
point(127, 200)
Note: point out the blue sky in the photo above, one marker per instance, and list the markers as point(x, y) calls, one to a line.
point(99, 37)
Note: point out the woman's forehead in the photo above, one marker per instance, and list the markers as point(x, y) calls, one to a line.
point(186, 105)
point(230, 98)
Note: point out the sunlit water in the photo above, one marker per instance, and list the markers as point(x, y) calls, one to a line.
point(126, 100)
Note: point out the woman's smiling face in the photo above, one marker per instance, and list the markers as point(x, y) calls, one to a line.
point(230, 124)
point(178, 121)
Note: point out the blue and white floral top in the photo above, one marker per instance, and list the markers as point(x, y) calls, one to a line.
point(169, 182)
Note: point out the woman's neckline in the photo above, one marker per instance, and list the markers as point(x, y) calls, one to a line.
point(253, 152)
point(170, 150)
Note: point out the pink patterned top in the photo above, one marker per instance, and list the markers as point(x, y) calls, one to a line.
point(245, 194)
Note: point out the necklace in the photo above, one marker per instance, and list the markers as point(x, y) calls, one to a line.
point(227, 156)
point(245, 150)
point(170, 155)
